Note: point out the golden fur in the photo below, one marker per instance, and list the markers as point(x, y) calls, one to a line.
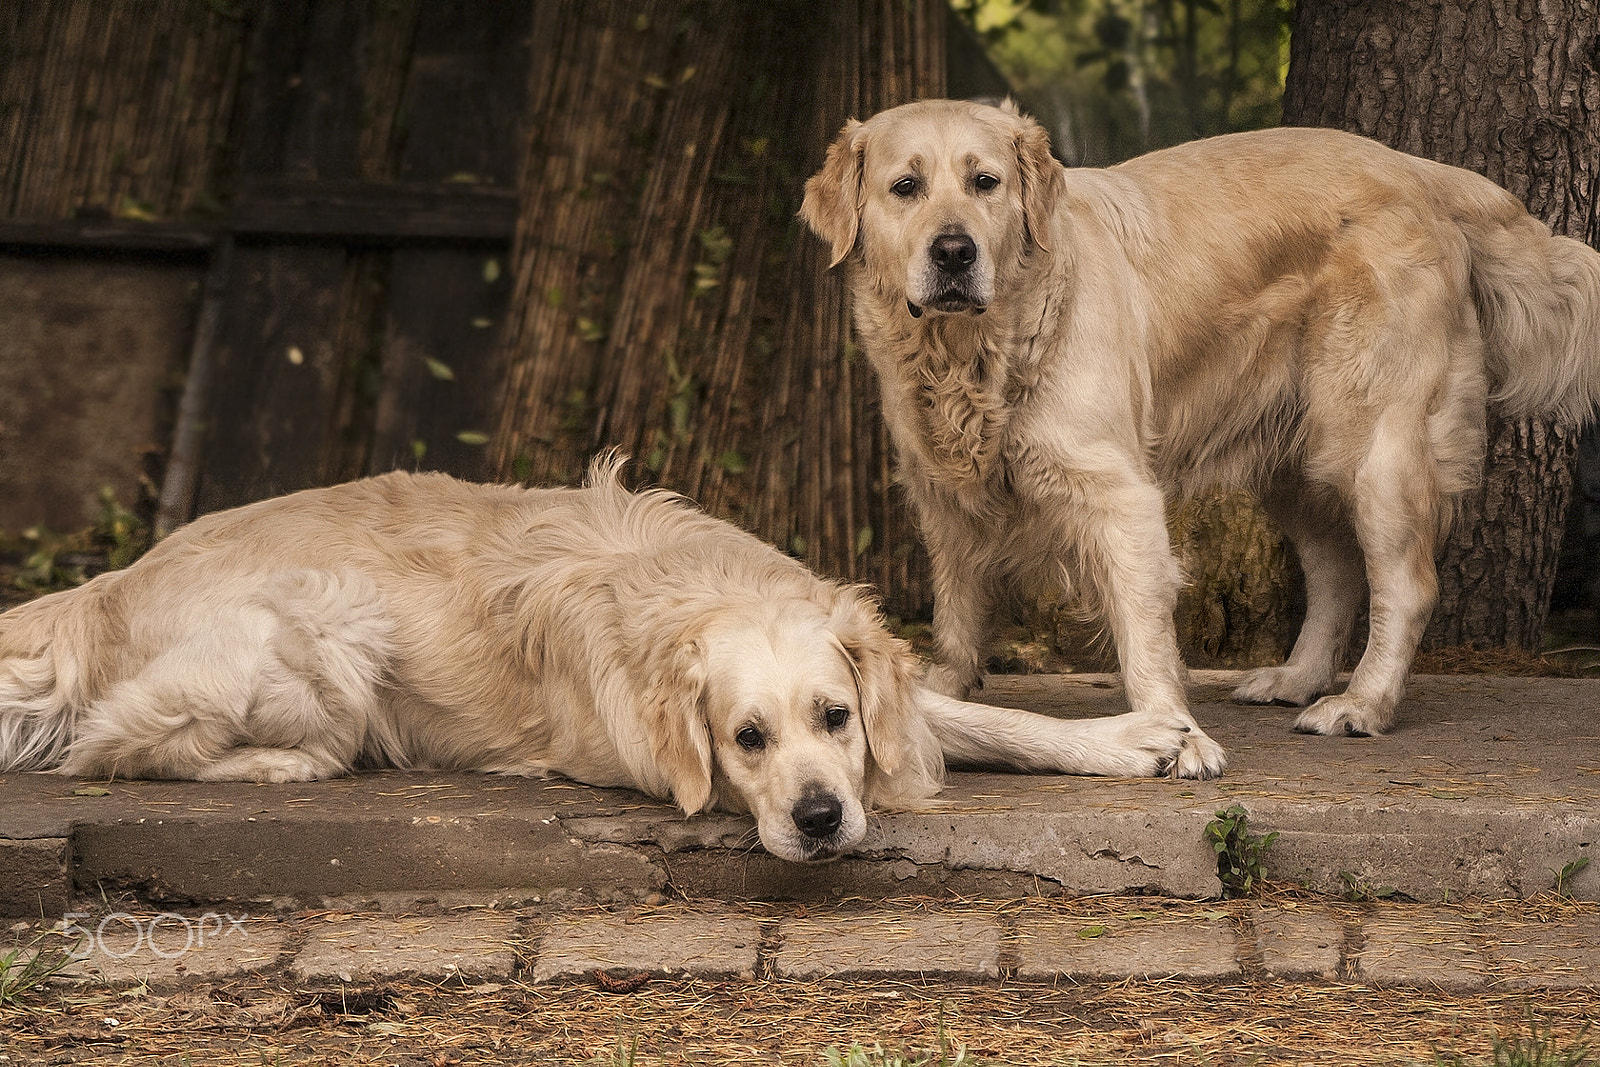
point(1302, 312)
point(417, 621)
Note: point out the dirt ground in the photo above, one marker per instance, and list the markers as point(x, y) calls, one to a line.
point(768, 1022)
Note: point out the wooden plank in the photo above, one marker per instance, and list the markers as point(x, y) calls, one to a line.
point(375, 212)
point(111, 235)
point(87, 350)
point(278, 375)
point(439, 390)
point(367, 213)
point(440, 382)
point(295, 349)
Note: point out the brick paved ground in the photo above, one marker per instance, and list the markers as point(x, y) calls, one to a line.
point(1464, 948)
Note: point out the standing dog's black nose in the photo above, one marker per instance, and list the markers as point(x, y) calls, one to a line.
point(818, 815)
point(953, 253)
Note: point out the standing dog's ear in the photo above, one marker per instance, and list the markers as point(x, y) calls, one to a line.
point(680, 740)
point(1043, 180)
point(832, 206)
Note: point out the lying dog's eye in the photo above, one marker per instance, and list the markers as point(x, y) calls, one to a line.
point(904, 187)
point(750, 739)
point(836, 717)
point(985, 182)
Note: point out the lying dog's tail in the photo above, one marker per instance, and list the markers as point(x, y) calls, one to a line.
point(1538, 297)
point(42, 690)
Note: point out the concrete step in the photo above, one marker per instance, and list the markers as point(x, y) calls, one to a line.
point(1489, 788)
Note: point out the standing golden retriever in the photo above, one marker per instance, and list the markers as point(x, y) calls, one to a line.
point(619, 639)
point(1303, 312)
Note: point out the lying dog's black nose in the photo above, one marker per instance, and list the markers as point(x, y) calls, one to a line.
point(818, 815)
point(953, 253)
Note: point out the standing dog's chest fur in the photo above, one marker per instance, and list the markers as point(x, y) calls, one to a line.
point(951, 389)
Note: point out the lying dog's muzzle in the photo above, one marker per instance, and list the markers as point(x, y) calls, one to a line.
point(818, 815)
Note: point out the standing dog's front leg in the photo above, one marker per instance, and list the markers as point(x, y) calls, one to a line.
point(1113, 535)
point(963, 598)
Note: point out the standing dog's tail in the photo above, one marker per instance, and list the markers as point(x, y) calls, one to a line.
point(42, 685)
point(1538, 297)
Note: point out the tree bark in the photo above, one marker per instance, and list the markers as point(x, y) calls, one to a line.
point(665, 300)
point(1510, 89)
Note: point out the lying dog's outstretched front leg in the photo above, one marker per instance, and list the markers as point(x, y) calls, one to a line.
point(1135, 745)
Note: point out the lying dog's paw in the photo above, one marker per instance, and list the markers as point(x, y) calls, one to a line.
point(1152, 746)
point(1345, 714)
point(1198, 757)
point(248, 764)
point(1278, 685)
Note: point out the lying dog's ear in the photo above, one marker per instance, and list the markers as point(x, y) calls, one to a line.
point(907, 763)
point(884, 673)
point(680, 740)
point(1042, 179)
point(832, 206)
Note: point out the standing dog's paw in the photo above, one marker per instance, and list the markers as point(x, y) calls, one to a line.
point(942, 679)
point(1278, 685)
point(1345, 714)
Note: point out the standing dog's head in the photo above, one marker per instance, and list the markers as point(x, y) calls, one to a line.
point(800, 711)
point(937, 198)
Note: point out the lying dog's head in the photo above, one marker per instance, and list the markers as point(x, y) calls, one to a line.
point(798, 711)
point(936, 198)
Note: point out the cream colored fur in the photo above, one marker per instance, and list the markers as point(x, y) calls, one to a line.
point(416, 621)
point(1301, 312)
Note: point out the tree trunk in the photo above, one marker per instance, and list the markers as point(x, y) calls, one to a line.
point(1512, 91)
point(666, 301)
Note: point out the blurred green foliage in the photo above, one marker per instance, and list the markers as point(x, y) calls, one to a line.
point(1116, 78)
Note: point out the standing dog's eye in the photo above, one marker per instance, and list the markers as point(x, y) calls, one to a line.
point(985, 182)
point(836, 717)
point(905, 187)
point(750, 739)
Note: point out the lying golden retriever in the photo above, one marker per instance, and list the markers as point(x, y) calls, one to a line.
point(616, 638)
point(1299, 311)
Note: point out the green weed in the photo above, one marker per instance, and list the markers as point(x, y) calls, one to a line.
point(1567, 873)
point(1537, 1048)
point(26, 968)
point(1241, 855)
